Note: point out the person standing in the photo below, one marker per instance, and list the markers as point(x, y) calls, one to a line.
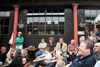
point(19, 41)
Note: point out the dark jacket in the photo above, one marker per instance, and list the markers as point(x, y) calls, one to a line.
point(16, 63)
point(2, 57)
point(88, 61)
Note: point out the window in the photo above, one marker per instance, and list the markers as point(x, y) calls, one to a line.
point(4, 22)
point(45, 22)
point(90, 15)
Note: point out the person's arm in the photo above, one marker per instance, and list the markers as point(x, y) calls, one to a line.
point(57, 45)
point(22, 40)
point(15, 40)
point(42, 47)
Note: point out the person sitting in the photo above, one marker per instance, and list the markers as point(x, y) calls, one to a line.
point(41, 60)
point(97, 51)
point(52, 62)
point(72, 50)
point(17, 61)
point(41, 48)
point(51, 45)
point(86, 59)
point(2, 55)
point(24, 54)
point(62, 47)
point(91, 36)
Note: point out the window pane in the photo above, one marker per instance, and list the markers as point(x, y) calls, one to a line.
point(62, 19)
point(93, 14)
point(6, 30)
point(35, 30)
point(7, 13)
point(2, 30)
point(1, 21)
point(55, 19)
point(6, 21)
point(98, 11)
point(1, 13)
point(42, 19)
point(61, 31)
point(41, 32)
point(36, 19)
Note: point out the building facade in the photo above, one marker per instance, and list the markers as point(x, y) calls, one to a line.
point(46, 18)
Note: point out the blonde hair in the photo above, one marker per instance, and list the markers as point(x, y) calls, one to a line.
point(25, 52)
point(4, 49)
point(73, 41)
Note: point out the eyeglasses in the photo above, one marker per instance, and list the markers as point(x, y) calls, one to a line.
point(96, 46)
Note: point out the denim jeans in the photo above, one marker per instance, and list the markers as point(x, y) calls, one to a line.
point(39, 53)
point(42, 63)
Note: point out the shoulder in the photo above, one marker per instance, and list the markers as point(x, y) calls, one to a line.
point(64, 43)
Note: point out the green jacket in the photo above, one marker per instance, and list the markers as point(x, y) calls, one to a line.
point(19, 39)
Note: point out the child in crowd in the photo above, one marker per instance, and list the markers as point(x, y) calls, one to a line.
point(41, 60)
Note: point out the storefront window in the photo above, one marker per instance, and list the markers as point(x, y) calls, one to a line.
point(45, 22)
point(90, 15)
point(4, 22)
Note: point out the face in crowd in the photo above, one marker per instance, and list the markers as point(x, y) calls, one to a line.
point(61, 40)
point(85, 48)
point(95, 40)
point(42, 40)
point(97, 47)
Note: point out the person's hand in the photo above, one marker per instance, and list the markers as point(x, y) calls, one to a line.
point(34, 60)
point(61, 50)
point(47, 62)
point(94, 35)
point(7, 60)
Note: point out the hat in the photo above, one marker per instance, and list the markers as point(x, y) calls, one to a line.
point(19, 32)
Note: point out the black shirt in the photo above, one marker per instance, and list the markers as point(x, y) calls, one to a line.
point(51, 46)
point(88, 61)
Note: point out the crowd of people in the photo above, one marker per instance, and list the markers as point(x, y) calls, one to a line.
point(84, 54)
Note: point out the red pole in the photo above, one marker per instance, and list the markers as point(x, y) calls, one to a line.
point(75, 23)
point(15, 23)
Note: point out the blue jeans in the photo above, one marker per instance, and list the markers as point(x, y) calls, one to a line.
point(42, 63)
point(64, 58)
point(39, 53)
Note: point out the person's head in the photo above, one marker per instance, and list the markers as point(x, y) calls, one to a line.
point(47, 50)
point(80, 40)
point(19, 34)
point(61, 40)
point(51, 39)
point(97, 47)
point(72, 41)
point(3, 49)
point(24, 52)
point(42, 40)
point(86, 48)
point(95, 39)
point(91, 33)
point(29, 33)
point(18, 54)
point(97, 30)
